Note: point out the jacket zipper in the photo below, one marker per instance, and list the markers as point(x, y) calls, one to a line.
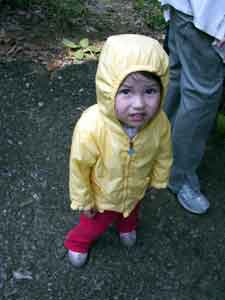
point(131, 148)
point(130, 152)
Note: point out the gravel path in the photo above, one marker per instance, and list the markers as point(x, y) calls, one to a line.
point(178, 256)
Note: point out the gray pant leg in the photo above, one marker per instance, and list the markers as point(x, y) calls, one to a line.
point(195, 91)
point(172, 100)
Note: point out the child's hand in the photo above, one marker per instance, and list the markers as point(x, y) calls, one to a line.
point(90, 213)
point(153, 192)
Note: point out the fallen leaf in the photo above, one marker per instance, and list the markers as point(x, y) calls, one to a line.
point(69, 44)
point(19, 275)
point(11, 50)
point(52, 66)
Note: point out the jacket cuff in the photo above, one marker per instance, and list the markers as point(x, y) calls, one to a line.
point(159, 185)
point(81, 207)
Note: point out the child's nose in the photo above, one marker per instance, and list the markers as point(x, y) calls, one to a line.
point(138, 101)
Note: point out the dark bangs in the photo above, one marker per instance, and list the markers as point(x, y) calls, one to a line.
point(151, 76)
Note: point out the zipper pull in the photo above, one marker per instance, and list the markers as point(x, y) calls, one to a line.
point(131, 149)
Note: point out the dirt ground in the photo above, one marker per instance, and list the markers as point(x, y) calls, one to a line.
point(178, 256)
point(30, 35)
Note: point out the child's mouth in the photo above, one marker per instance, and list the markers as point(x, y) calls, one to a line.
point(138, 117)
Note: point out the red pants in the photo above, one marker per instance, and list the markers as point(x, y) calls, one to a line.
point(81, 237)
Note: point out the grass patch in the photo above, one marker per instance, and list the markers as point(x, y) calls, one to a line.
point(60, 11)
point(152, 13)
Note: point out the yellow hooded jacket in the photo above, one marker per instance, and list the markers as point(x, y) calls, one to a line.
point(102, 173)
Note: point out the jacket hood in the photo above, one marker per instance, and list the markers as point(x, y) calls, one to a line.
point(124, 54)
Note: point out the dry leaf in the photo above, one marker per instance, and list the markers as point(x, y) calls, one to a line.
point(20, 275)
point(52, 66)
point(11, 50)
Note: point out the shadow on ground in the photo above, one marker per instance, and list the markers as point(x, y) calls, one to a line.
point(178, 256)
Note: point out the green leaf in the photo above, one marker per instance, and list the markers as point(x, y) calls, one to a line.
point(89, 56)
point(79, 55)
point(84, 43)
point(86, 50)
point(69, 44)
point(140, 3)
point(220, 122)
point(94, 49)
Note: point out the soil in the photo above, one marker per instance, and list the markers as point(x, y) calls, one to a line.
point(178, 256)
point(32, 36)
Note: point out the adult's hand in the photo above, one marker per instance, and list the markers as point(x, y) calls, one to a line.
point(220, 48)
point(220, 43)
point(90, 213)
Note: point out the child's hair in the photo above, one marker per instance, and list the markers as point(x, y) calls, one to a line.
point(152, 76)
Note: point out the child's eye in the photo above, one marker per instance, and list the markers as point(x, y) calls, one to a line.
point(151, 91)
point(124, 91)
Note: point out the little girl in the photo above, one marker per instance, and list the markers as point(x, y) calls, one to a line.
point(121, 145)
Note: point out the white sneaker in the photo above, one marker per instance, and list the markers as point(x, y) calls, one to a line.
point(128, 239)
point(77, 259)
point(193, 201)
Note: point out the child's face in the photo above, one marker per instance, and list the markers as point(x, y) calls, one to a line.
point(137, 100)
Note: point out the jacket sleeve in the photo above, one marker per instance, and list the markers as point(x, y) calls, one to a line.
point(83, 156)
point(163, 161)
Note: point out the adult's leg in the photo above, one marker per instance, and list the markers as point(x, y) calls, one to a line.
point(172, 100)
point(200, 89)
